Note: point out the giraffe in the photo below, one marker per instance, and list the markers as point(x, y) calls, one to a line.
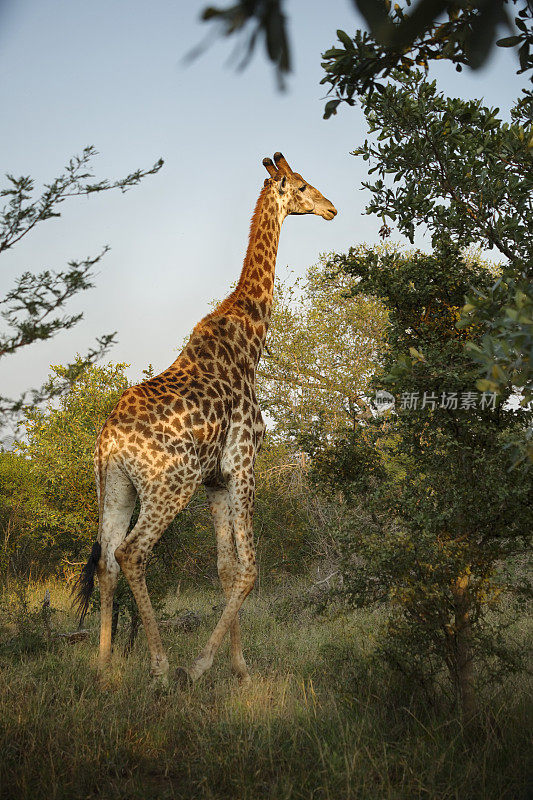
point(198, 422)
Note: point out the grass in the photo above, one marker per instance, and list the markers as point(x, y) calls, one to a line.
point(319, 721)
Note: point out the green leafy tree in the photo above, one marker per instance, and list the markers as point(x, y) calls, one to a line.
point(475, 204)
point(436, 510)
point(283, 515)
point(59, 445)
point(48, 508)
point(33, 310)
point(461, 31)
point(18, 547)
point(454, 167)
point(314, 375)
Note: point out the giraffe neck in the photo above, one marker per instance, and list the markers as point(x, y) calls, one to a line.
point(251, 300)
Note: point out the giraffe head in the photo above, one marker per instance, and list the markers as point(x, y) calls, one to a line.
point(297, 196)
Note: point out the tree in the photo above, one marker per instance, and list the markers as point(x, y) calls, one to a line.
point(396, 40)
point(48, 508)
point(456, 168)
point(498, 159)
point(30, 309)
point(314, 375)
point(438, 514)
point(59, 444)
point(18, 547)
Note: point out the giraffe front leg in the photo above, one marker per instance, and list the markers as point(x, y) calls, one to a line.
point(227, 562)
point(241, 496)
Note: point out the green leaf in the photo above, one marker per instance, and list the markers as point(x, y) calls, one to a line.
point(330, 108)
point(345, 39)
point(416, 354)
point(509, 41)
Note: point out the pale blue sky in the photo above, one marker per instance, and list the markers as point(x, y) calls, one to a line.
point(110, 74)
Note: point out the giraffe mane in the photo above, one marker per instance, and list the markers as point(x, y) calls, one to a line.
point(228, 302)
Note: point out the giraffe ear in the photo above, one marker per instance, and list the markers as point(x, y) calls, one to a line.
point(282, 188)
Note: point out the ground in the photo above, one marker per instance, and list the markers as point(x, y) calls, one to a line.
point(319, 720)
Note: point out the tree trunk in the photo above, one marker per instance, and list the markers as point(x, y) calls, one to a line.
point(464, 667)
point(47, 614)
point(134, 628)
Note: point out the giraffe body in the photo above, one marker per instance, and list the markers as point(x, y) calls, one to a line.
point(198, 422)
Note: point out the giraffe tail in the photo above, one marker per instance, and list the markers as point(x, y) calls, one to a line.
point(83, 588)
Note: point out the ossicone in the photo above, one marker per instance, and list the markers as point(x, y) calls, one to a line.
point(281, 163)
point(270, 167)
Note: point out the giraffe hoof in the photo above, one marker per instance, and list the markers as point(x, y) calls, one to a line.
point(182, 678)
point(245, 681)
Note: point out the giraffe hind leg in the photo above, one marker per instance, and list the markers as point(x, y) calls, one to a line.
point(133, 552)
point(119, 502)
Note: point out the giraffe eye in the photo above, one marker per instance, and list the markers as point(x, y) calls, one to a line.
point(303, 188)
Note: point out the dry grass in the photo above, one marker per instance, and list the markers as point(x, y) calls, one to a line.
point(318, 721)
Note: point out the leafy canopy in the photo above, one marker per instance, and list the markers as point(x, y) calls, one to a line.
point(453, 167)
point(59, 445)
point(320, 355)
point(402, 37)
point(33, 310)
